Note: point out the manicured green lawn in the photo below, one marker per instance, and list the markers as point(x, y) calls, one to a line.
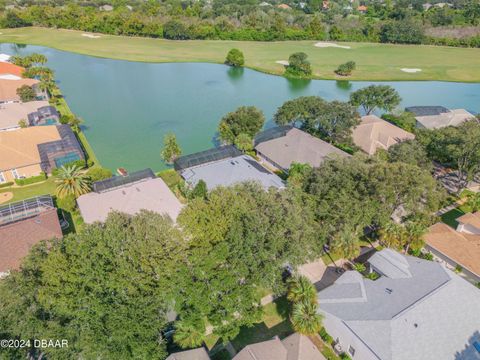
point(29, 191)
point(450, 217)
point(374, 61)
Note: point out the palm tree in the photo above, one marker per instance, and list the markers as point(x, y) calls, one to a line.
point(71, 181)
point(392, 235)
point(473, 201)
point(346, 243)
point(300, 289)
point(414, 232)
point(305, 319)
point(189, 332)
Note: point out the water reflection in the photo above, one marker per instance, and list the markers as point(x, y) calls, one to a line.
point(298, 85)
point(235, 73)
point(344, 85)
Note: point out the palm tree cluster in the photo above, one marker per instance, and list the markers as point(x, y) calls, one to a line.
point(403, 236)
point(304, 316)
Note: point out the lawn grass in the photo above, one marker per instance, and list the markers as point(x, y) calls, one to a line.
point(374, 61)
point(450, 217)
point(173, 180)
point(275, 323)
point(29, 191)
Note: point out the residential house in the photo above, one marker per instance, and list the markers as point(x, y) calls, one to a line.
point(12, 113)
point(426, 6)
point(194, 354)
point(224, 166)
point(4, 57)
point(435, 117)
point(45, 115)
point(362, 8)
point(284, 7)
point(294, 347)
point(282, 146)
point(28, 152)
point(10, 71)
point(457, 248)
point(416, 309)
point(130, 194)
point(22, 225)
point(374, 133)
point(8, 89)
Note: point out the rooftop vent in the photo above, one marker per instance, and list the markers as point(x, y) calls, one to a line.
point(388, 290)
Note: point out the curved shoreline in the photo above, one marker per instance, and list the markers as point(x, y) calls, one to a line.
point(375, 62)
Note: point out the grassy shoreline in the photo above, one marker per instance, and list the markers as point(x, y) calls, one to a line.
point(375, 62)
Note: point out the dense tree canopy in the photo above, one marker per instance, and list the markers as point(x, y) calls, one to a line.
point(106, 289)
point(240, 239)
point(247, 120)
point(333, 120)
point(376, 96)
point(354, 193)
point(458, 147)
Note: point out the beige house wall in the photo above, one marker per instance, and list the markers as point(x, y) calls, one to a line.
point(26, 171)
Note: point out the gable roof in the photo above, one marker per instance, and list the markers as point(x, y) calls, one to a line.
point(19, 148)
point(298, 146)
point(265, 350)
point(17, 238)
point(146, 194)
point(470, 219)
point(300, 347)
point(462, 248)
point(430, 315)
point(231, 171)
point(12, 69)
point(374, 133)
point(12, 113)
point(8, 88)
point(194, 354)
point(434, 117)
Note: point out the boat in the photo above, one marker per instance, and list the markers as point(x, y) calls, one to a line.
point(122, 171)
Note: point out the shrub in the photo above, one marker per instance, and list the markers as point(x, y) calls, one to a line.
point(346, 69)
point(26, 93)
point(298, 66)
point(235, 58)
point(31, 180)
point(98, 173)
point(372, 276)
point(199, 191)
point(7, 184)
point(67, 203)
point(360, 267)
point(325, 336)
point(458, 269)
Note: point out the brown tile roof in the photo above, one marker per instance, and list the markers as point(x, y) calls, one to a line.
point(462, 248)
point(8, 68)
point(19, 148)
point(374, 133)
point(298, 146)
point(17, 238)
point(8, 88)
point(471, 219)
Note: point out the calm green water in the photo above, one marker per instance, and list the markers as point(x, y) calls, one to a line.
point(128, 106)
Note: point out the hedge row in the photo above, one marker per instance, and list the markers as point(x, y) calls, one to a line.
point(31, 180)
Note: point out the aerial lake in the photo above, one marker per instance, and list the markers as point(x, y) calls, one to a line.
point(128, 107)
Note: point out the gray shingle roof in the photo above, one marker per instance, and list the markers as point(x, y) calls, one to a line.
point(194, 354)
point(230, 171)
point(429, 315)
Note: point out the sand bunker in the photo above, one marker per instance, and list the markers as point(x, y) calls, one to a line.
point(91, 36)
point(282, 62)
point(324, 44)
point(411, 70)
point(6, 196)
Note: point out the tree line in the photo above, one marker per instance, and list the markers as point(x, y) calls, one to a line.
point(395, 22)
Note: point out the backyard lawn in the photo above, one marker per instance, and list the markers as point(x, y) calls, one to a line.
point(374, 61)
point(29, 191)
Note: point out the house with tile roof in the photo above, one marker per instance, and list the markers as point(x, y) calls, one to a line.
point(8, 89)
point(457, 248)
point(10, 71)
point(129, 194)
point(24, 224)
point(194, 354)
point(293, 347)
point(295, 146)
point(28, 152)
point(12, 113)
point(436, 117)
point(416, 309)
point(374, 133)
